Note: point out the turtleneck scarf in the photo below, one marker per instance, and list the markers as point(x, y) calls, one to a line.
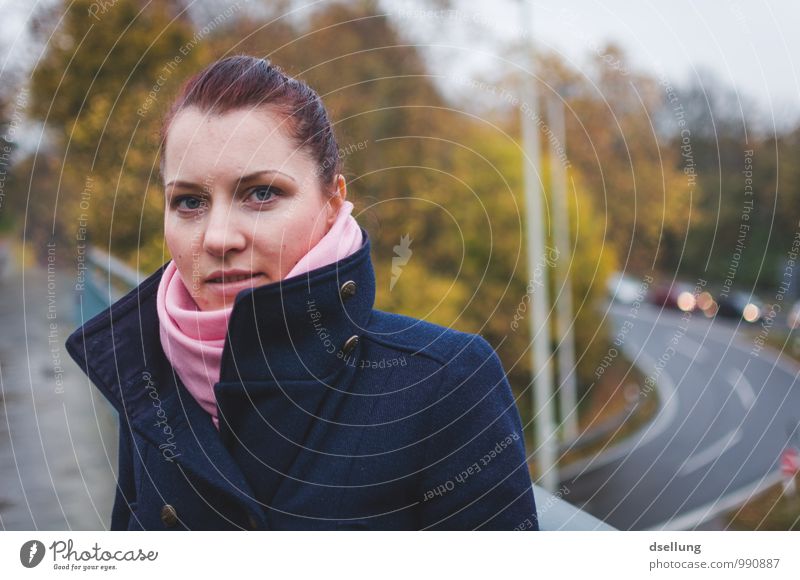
point(193, 339)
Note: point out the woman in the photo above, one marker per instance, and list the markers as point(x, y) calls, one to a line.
point(256, 386)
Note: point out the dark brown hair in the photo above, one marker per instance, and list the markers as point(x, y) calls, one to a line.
point(245, 82)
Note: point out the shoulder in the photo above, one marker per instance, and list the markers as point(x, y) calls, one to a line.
point(418, 336)
point(457, 350)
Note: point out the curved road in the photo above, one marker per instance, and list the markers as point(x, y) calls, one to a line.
point(727, 410)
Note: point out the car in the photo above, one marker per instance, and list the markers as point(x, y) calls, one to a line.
point(677, 295)
point(625, 289)
point(740, 305)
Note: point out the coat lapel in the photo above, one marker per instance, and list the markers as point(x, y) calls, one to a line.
point(120, 350)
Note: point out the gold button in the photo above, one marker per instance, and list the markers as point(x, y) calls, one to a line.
point(169, 516)
point(251, 521)
point(350, 344)
point(348, 289)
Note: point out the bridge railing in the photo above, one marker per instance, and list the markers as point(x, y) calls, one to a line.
point(104, 280)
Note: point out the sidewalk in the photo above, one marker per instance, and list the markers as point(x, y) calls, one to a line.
point(58, 440)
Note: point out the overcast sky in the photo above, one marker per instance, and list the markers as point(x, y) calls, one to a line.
point(752, 45)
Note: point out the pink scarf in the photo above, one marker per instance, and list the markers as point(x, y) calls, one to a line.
point(193, 339)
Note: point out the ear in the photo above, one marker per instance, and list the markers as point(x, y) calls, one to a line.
point(341, 188)
point(337, 198)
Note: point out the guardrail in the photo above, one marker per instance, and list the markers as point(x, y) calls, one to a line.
point(109, 279)
point(106, 279)
point(555, 514)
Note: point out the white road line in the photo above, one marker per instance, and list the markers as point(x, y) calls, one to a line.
point(744, 390)
point(726, 503)
point(713, 451)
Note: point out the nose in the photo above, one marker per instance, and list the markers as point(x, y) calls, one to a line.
point(223, 232)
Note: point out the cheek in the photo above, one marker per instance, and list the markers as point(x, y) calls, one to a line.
point(307, 228)
point(182, 241)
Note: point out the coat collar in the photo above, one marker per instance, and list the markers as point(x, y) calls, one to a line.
point(301, 328)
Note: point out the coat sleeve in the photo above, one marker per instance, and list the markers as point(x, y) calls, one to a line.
point(125, 497)
point(475, 473)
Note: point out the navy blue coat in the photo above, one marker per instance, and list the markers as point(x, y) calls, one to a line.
point(333, 415)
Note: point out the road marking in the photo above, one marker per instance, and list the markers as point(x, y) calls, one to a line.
point(744, 390)
point(711, 452)
point(726, 503)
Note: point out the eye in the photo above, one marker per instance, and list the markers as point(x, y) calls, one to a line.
point(187, 203)
point(264, 193)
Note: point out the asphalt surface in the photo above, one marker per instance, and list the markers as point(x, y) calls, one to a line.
point(57, 435)
point(727, 410)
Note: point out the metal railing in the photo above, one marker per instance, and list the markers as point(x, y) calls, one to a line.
point(555, 514)
point(105, 279)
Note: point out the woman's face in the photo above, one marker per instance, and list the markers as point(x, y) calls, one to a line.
point(243, 204)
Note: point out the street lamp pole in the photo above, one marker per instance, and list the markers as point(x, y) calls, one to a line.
point(538, 321)
point(568, 387)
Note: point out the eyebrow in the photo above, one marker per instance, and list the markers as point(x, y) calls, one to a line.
point(243, 179)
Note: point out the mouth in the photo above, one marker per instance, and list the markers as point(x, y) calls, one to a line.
point(232, 278)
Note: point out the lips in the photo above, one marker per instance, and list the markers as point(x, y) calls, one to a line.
point(230, 277)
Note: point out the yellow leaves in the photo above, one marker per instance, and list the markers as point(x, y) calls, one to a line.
point(414, 289)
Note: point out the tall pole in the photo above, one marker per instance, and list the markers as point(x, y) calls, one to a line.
point(538, 322)
point(568, 387)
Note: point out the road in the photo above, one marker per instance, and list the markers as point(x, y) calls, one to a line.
point(57, 436)
point(727, 410)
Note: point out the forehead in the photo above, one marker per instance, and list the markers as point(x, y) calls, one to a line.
point(202, 146)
